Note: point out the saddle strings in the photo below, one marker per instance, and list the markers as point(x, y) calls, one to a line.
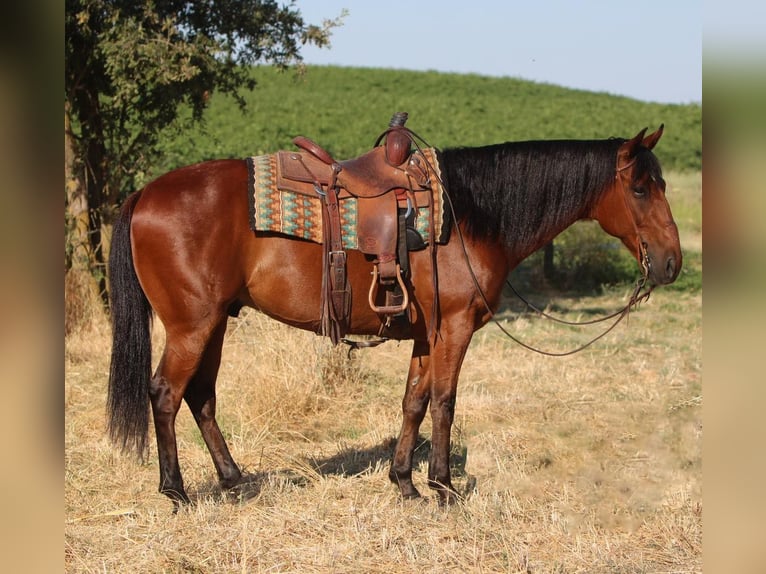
point(635, 298)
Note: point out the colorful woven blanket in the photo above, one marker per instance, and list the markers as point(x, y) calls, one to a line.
point(282, 211)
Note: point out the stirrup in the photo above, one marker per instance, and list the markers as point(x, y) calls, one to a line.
point(388, 309)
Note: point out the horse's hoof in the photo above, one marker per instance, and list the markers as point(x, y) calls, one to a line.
point(415, 495)
point(470, 487)
point(181, 504)
point(448, 498)
point(229, 483)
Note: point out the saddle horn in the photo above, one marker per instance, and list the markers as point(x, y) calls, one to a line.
point(397, 140)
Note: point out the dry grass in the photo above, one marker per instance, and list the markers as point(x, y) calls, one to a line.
point(590, 463)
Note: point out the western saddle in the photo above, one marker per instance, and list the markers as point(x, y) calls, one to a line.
point(390, 183)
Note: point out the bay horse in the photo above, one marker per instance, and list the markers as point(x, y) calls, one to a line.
point(182, 249)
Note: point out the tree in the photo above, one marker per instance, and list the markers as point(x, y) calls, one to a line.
point(130, 66)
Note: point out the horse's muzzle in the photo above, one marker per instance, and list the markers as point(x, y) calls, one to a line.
point(665, 273)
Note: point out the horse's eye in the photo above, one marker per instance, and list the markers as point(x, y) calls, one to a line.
point(639, 190)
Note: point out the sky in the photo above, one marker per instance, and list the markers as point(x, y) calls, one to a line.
point(649, 50)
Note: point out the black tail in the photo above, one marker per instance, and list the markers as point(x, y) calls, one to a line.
point(130, 370)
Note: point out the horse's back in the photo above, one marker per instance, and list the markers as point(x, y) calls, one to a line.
point(195, 186)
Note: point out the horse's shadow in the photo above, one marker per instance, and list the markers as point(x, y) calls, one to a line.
point(348, 462)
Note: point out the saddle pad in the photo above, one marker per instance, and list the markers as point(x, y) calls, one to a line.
point(283, 211)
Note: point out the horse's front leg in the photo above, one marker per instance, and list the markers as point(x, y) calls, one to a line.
point(446, 360)
point(414, 406)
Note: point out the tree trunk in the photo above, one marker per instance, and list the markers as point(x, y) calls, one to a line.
point(95, 184)
point(83, 250)
point(77, 252)
point(549, 270)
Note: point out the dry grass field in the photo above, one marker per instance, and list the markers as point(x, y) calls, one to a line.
point(589, 463)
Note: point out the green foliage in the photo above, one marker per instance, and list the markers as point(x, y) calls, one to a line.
point(129, 65)
point(345, 109)
point(586, 259)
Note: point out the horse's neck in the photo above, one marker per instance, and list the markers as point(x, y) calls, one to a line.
point(528, 192)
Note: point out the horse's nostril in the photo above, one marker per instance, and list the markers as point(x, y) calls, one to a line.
point(670, 267)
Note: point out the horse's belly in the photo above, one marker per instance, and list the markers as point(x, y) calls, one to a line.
point(285, 283)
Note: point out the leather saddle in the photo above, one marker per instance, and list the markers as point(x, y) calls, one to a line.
point(390, 183)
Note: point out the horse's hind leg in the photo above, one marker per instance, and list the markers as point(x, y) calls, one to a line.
point(178, 366)
point(414, 407)
point(200, 396)
point(165, 392)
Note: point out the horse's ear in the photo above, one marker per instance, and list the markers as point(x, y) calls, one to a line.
point(630, 147)
point(651, 140)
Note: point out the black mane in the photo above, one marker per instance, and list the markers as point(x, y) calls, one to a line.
point(521, 191)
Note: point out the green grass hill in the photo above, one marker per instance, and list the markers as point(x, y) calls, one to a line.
point(345, 109)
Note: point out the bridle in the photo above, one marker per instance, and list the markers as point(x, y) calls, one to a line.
point(644, 260)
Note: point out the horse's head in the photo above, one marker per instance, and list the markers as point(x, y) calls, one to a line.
point(634, 209)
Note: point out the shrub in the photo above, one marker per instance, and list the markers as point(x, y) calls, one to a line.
point(585, 260)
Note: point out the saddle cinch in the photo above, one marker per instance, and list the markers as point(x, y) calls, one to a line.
point(390, 183)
